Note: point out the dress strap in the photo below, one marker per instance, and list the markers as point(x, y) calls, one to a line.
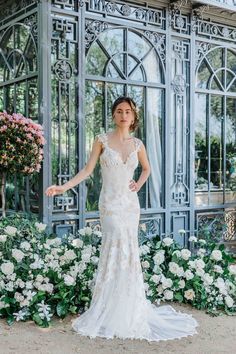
point(138, 144)
point(102, 138)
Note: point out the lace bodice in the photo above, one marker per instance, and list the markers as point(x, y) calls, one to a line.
point(109, 156)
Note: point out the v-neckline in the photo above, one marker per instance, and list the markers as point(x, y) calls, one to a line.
point(118, 153)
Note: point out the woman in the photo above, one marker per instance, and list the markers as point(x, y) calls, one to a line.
point(119, 307)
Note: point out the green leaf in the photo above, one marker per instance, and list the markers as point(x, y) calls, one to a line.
point(73, 309)
point(61, 309)
point(37, 319)
point(10, 320)
point(178, 297)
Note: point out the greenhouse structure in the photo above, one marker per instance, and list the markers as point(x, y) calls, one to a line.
point(63, 63)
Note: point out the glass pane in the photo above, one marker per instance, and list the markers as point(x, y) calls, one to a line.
point(216, 149)
point(33, 99)
point(21, 36)
point(134, 70)
point(1, 99)
point(31, 55)
point(112, 41)
point(154, 117)
point(203, 76)
point(201, 150)
point(215, 85)
point(152, 67)
point(116, 67)
point(231, 60)
point(94, 124)
point(137, 45)
point(21, 98)
point(96, 60)
point(215, 58)
point(113, 92)
point(232, 87)
point(10, 94)
point(230, 127)
point(137, 93)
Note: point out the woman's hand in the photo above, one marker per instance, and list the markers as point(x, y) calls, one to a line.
point(134, 186)
point(54, 190)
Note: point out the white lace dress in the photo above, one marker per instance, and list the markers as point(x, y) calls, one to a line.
point(119, 307)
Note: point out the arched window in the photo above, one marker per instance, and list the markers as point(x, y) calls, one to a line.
point(19, 93)
point(123, 61)
point(215, 127)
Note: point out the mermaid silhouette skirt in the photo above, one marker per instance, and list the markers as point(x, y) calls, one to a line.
point(119, 307)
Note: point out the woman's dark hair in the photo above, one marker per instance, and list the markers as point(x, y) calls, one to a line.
point(132, 104)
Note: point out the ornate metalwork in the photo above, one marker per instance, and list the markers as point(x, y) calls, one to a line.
point(124, 10)
point(217, 31)
point(201, 49)
point(179, 190)
point(92, 31)
point(177, 20)
point(63, 70)
point(230, 220)
point(158, 40)
point(179, 85)
point(12, 7)
point(213, 223)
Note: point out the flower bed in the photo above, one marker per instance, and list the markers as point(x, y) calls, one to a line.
point(42, 276)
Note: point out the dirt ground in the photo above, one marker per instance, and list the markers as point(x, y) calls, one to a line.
point(216, 335)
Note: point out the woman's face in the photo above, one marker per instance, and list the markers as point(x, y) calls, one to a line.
point(123, 115)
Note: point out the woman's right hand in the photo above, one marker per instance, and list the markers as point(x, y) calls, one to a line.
point(54, 190)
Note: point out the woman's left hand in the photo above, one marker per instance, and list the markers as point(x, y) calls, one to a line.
point(133, 186)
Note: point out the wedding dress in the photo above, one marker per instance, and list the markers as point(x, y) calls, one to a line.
point(119, 307)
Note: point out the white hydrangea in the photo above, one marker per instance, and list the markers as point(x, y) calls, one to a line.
point(188, 274)
point(40, 226)
point(10, 230)
point(192, 239)
point(143, 250)
point(159, 257)
point(201, 252)
point(207, 279)
point(167, 241)
point(160, 289)
point(69, 280)
point(174, 268)
point(232, 269)
point(229, 301)
point(7, 268)
point(185, 254)
point(181, 284)
point(77, 243)
point(70, 255)
point(3, 238)
point(199, 263)
point(200, 272)
point(17, 254)
point(218, 269)
point(98, 233)
point(202, 241)
point(145, 264)
point(167, 283)
point(168, 294)
point(216, 255)
point(155, 278)
point(189, 294)
point(25, 245)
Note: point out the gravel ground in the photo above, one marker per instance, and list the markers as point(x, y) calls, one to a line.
point(216, 335)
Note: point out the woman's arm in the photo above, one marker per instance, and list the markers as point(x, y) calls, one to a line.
point(81, 175)
point(146, 170)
